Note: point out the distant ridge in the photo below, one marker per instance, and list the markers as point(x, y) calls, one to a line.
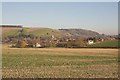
point(80, 32)
point(12, 26)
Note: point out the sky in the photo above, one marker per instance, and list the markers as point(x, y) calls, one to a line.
point(97, 16)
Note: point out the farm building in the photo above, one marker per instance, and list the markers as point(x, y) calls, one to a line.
point(37, 45)
point(90, 41)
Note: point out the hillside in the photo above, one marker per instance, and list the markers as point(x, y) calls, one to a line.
point(27, 31)
point(10, 31)
point(40, 31)
point(14, 31)
point(80, 32)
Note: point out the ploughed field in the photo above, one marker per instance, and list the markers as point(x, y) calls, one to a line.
point(59, 63)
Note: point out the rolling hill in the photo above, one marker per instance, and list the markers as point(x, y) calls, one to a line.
point(14, 31)
point(80, 32)
point(27, 31)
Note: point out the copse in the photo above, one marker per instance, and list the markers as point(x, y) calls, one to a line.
point(12, 26)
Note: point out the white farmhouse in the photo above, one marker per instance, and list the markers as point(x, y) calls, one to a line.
point(37, 45)
point(53, 36)
point(90, 41)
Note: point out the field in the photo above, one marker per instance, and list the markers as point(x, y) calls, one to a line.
point(10, 31)
point(107, 44)
point(59, 63)
point(27, 31)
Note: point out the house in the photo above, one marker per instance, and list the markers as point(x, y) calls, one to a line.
point(37, 45)
point(53, 36)
point(90, 41)
point(102, 40)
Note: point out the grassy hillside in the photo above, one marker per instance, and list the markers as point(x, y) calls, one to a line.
point(10, 31)
point(27, 31)
point(13, 31)
point(41, 31)
point(111, 43)
point(80, 32)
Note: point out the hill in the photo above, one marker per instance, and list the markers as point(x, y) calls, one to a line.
point(15, 31)
point(80, 32)
point(6, 31)
point(40, 31)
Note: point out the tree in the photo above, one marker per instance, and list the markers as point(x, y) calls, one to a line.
point(94, 39)
point(80, 42)
point(21, 44)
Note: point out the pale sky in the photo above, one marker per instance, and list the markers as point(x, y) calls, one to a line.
point(97, 16)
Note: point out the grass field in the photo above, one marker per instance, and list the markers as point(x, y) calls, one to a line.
point(27, 31)
point(59, 63)
point(109, 43)
point(10, 31)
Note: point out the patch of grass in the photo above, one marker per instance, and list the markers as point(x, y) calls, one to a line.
point(41, 31)
point(11, 32)
point(111, 43)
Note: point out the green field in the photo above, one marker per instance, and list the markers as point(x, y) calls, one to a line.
point(10, 31)
point(59, 63)
point(27, 31)
point(109, 43)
